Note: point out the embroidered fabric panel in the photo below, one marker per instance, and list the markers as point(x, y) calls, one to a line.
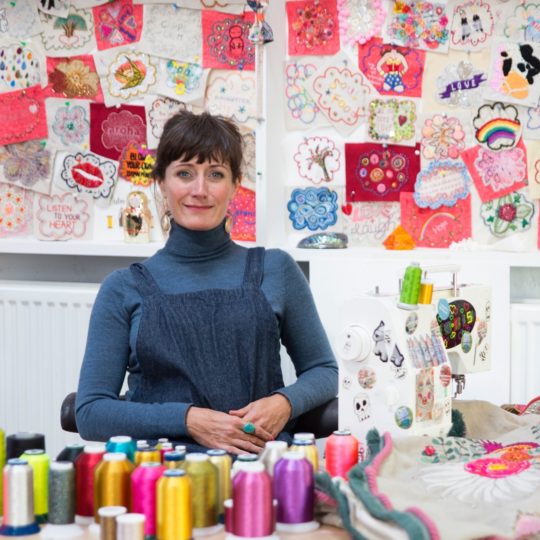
point(113, 128)
point(158, 109)
point(69, 122)
point(436, 228)
point(72, 33)
point(232, 94)
point(126, 74)
point(380, 173)
point(22, 65)
point(391, 69)
point(87, 174)
point(117, 23)
point(73, 77)
point(28, 164)
point(15, 210)
point(313, 28)
point(63, 217)
point(226, 42)
point(172, 32)
point(23, 116)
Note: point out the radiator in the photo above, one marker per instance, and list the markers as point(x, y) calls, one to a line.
point(525, 356)
point(43, 328)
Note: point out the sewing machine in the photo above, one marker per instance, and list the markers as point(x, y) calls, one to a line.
point(396, 365)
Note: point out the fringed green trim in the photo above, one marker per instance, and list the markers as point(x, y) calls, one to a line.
point(323, 481)
point(359, 484)
point(458, 429)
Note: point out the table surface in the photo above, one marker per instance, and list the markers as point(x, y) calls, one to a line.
point(324, 532)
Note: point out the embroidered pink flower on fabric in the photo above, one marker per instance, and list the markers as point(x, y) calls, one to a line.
point(71, 124)
point(429, 450)
point(442, 137)
point(500, 170)
point(491, 446)
point(496, 467)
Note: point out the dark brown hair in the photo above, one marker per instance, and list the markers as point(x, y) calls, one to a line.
point(203, 136)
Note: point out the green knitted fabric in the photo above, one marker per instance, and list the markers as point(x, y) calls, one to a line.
point(358, 481)
point(458, 429)
point(323, 482)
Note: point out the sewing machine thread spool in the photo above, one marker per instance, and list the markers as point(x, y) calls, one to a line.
point(426, 292)
point(342, 450)
point(40, 463)
point(410, 289)
point(174, 517)
point(112, 485)
point(18, 518)
point(204, 481)
point(223, 463)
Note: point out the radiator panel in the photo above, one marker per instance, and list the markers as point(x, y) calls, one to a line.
point(525, 340)
point(43, 328)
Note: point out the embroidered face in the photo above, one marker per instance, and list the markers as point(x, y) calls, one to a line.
point(198, 194)
point(424, 394)
point(362, 407)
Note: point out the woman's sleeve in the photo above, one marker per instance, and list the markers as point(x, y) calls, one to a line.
point(306, 342)
point(100, 413)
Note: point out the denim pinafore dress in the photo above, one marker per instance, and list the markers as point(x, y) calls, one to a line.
point(215, 348)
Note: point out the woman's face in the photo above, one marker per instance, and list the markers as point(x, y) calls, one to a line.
point(198, 194)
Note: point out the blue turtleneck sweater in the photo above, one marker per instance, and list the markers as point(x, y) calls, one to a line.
point(193, 261)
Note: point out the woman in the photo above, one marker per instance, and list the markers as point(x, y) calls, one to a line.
point(199, 325)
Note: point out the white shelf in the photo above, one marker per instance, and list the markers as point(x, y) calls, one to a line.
point(438, 256)
point(32, 246)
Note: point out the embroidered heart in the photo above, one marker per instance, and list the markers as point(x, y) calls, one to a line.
point(68, 40)
point(346, 209)
point(402, 119)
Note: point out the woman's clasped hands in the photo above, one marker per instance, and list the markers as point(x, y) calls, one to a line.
point(214, 429)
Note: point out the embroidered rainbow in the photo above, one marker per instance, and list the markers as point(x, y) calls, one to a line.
point(498, 128)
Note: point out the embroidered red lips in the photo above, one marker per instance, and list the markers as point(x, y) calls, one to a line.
point(87, 175)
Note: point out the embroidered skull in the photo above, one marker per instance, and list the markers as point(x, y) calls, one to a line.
point(362, 407)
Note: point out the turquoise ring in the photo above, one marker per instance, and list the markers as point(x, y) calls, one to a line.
point(249, 428)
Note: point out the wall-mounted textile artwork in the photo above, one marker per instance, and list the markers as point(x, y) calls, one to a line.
point(428, 113)
point(85, 89)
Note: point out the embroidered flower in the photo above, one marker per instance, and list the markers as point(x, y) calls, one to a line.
point(15, 209)
point(484, 480)
point(429, 451)
point(509, 214)
point(26, 163)
point(500, 170)
point(496, 467)
point(71, 124)
point(442, 138)
point(74, 78)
